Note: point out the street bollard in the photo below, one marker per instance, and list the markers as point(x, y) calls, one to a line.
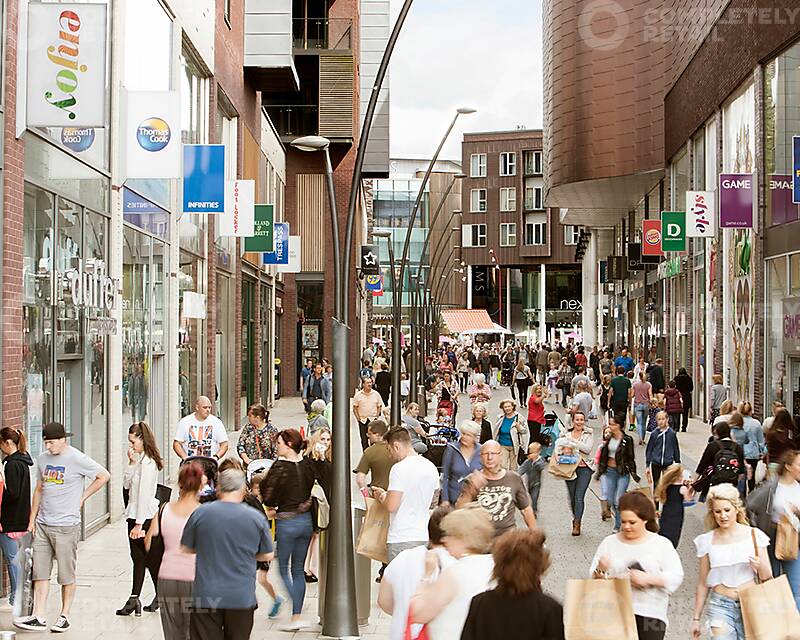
point(363, 571)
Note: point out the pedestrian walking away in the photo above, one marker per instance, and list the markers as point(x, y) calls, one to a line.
point(684, 384)
point(140, 482)
point(413, 481)
point(673, 404)
point(648, 560)
point(673, 491)
point(227, 537)
point(642, 400)
point(15, 509)
point(523, 379)
point(55, 520)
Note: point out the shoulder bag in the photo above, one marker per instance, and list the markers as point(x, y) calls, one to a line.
point(156, 552)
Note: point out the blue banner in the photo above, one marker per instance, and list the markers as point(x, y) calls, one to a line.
point(281, 239)
point(796, 169)
point(142, 213)
point(203, 178)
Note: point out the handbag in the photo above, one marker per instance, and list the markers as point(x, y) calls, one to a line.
point(372, 537)
point(163, 493)
point(320, 507)
point(769, 611)
point(599, 610)
point(156, 551)
point(786, 540)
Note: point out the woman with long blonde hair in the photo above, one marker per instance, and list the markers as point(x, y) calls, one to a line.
point(672, 489)
point(318, 452)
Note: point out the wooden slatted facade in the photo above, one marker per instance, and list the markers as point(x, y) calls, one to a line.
point(312, 220)
point(336, 95)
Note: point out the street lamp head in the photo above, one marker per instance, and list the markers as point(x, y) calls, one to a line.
point(311, 143)
point(465, 110)
point(382, 234)
point(459, 176)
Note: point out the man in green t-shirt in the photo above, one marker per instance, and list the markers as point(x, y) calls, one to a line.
point(619, 395)
point(376, 458)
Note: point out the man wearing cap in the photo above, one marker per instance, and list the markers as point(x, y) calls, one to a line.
point(61, 491)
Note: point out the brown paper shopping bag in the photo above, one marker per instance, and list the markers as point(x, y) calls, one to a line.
point(599, 610)
point(786, 540)
point(372, 539)
point(769, 611)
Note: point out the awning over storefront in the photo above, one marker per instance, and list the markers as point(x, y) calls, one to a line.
point(468, 321)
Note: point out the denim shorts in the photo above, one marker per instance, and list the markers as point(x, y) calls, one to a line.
point(725, 613)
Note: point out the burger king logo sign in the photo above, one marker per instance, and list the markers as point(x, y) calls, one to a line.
point(651, 238)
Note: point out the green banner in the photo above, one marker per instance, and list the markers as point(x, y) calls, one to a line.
point(264, 225)
point(673, 231)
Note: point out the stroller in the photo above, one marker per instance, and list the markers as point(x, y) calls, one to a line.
point(447, 404)
point(438, 442)
point(507, 373)
point(210, 469)
point(551, 431)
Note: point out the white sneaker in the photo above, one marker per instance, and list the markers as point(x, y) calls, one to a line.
point(295, 625)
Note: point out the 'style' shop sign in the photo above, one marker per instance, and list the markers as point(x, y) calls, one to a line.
point(66, 65)
point(736, 200)
point(673, 231)
point(203, 178)
point(700, 214)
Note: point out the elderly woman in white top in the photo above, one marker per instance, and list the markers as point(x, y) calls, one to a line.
point(443, 603)
point(647, 559)
point(728, 563)
point(140, 481)
point(480, 391)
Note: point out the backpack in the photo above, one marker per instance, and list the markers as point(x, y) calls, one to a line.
point(726, 465)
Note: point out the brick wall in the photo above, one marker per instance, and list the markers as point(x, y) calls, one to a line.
point(12, 225)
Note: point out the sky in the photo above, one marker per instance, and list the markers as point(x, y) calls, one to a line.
point(470, 53)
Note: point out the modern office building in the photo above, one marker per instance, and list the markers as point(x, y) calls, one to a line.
point(629, 132)
point(519, 258)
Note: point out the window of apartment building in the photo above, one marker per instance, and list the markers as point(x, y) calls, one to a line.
point(194, 100)
point(508, 163)
point(508, 199)
point(477, 200)
point(508, 234)
point(477, 165)
point(533, 196)
point(535, 229)
point(473, 235)
point(532, 161)
point(571, 234)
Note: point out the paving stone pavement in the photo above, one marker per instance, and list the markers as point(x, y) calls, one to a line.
point(104, 569)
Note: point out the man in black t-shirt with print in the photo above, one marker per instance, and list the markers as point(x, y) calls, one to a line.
point(619, 395)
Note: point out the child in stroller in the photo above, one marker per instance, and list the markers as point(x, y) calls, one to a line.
point(210, 472)
point(507, 373)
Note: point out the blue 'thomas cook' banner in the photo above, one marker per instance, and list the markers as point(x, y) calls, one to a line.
point(281, 239)
point(203, 178)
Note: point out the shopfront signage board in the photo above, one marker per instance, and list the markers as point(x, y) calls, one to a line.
point(281, 253)
point(151, 137)
point(263, 238)
point(780, 208)
point(796, 169)
point(66, 65)
point(651, 238)
point(238, 219)
point(700, 214)
point(203, 178)
point(736, 200)
point(673, 231)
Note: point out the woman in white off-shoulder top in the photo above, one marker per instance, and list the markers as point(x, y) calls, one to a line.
point(732, 556)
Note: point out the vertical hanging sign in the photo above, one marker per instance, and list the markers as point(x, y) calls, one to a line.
point(673, 231)
point(796, 169)
point(66, 79)
point(700, 214)
point(651, 238)
point(736, 200)
point(203, 178)
point(151, 138)
point(262, 237)
point(281, 253)
point(238, 219)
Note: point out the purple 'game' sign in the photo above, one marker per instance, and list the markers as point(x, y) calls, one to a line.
point(779, 201)
point(736, 200)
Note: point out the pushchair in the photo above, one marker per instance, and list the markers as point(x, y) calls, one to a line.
point(506, 373)
point(210, 469)
point(550, 432)
point(438, 442)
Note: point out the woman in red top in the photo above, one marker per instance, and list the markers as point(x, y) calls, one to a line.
point(580, 358)
point(536, 412)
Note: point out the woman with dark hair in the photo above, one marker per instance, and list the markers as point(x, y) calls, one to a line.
point(286, 492)
point(684, 384)
point(15, 509)
point(176, 571)
point(520, 561)
point(257, 439)
point(648, 559)
point(617, 463)
point(141, 480)
point(780, 438)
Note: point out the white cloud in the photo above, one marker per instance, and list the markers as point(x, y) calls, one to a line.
point(472, 53)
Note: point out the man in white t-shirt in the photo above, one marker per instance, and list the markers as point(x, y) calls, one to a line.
point(413, 480)
point(200, 433)
point(402, 578)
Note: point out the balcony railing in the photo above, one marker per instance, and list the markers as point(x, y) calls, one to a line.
point(295, 120)
point(322, 33)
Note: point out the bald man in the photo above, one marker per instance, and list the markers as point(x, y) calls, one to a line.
point(498, 491)
point(200, 433)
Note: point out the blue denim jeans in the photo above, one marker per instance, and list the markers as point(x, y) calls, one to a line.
point(293, 537)
point(725, 614)
point(791, 569)
point(642, 413)
point(617, 486)
point(10, 550)
point(576, 490)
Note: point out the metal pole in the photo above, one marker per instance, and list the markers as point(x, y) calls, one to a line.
point(339, 617)
point(337, 264)
point(397, 312)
